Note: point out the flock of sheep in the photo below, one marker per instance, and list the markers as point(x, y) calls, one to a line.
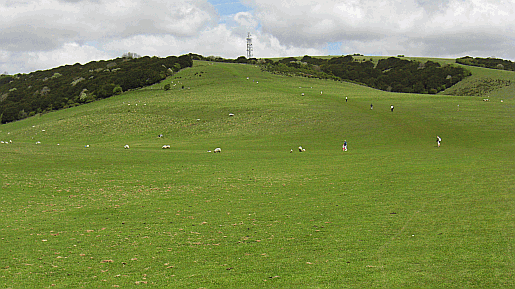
point(216, 150)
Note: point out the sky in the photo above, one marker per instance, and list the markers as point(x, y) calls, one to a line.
point(43, 34)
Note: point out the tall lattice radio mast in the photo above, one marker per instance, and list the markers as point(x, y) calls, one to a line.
point(249, 46)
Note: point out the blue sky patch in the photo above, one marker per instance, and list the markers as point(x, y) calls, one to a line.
point(227, 7)
point(333, 48)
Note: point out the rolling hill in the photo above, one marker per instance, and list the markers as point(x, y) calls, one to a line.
point(393, 211)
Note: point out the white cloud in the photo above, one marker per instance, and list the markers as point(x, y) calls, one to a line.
point(246, 19)
point(47, 24)
point(68, 53)
point(362, 24)
point(41, 34)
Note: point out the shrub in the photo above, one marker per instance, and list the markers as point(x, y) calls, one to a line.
point(117, 90)
point(83, 95)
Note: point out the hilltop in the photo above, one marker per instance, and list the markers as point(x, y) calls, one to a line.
point(26, 95)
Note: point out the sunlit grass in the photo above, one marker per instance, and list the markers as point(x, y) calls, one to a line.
point(394, 211)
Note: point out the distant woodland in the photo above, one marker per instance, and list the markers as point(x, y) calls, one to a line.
point(24, 95)
point(389, 74)
point(489, 62)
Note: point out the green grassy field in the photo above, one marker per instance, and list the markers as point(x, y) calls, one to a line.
point(394, 211)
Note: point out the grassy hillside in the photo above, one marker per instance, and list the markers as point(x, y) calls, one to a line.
point(394, 211)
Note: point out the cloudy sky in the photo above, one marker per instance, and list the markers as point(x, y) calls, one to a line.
point(42, 34)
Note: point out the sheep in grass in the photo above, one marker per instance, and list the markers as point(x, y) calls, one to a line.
point(165, 147)
point(217, 150)
point(302, 149)
point(126, 147)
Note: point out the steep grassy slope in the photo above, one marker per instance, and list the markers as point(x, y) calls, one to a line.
point(394, 211)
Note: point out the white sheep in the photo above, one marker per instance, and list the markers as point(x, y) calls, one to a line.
point(218, 150)
point(126, 146)
point(165, 147)
point(301, 149)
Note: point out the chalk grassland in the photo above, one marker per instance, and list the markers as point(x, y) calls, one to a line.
point(392, 212)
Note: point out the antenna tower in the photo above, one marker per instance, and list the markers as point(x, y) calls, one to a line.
point(249, 46)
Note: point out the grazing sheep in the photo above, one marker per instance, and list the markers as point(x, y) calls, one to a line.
point(301, 149)
point(165, 147)
point(86, 146)
point(291, 151)
point(302, 94)
point(38, 142)
point(231, 114)
point(486, 99)
point(218, 150)
point(160, 135)
point(126, 146)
